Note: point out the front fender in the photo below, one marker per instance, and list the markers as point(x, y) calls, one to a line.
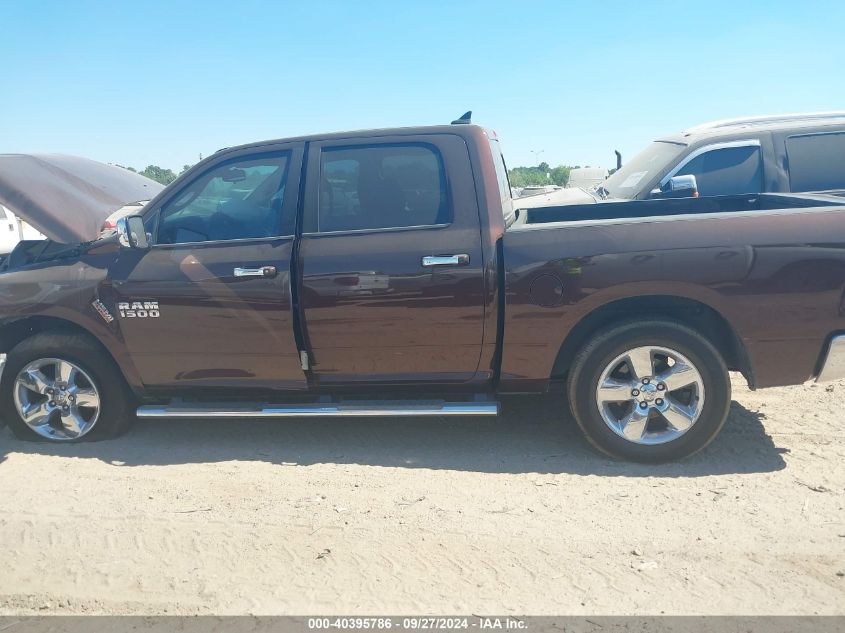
point(62, 294)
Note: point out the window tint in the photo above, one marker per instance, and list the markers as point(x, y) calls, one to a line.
point(381, 187)
point(727, 171)
point(816, 162)
point(237, 200)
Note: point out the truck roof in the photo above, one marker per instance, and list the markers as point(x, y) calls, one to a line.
point(368, 133)
point(755, 124)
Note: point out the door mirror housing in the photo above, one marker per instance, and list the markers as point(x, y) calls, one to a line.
point(131, 232)
point(678, 187)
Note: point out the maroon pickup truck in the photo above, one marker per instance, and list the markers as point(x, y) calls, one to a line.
point(388, 273)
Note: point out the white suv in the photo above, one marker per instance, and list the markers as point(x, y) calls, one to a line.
point(13, 230)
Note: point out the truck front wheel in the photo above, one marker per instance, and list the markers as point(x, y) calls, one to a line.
point(649, 391)
point(63, 388)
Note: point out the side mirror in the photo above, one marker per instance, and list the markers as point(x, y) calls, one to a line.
point(131, 232)
point(678, 187)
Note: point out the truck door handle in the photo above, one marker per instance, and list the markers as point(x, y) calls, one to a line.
point(445, 260)
point(263, 271)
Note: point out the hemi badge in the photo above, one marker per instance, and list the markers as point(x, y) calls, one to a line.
point(102, 310)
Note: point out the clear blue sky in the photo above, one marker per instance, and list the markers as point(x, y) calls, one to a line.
point(161, 82)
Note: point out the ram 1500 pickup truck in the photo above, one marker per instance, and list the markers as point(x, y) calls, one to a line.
point(385, 273)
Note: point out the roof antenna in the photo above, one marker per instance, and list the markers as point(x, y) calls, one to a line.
point(465, 119)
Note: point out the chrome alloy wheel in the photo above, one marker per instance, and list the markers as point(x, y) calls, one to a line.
point(56, 399)
point(650, 395)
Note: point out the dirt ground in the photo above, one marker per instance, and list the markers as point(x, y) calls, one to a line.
point(514, 515)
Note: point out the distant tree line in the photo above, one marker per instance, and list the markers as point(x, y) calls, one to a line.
point(159, 174)
point(542, 174)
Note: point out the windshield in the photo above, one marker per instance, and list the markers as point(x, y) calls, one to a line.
point(633, 176)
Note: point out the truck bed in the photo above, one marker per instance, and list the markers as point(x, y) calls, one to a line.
point(773, 268)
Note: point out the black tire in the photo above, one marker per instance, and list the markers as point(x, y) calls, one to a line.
point(609, 344)
point(116, 413)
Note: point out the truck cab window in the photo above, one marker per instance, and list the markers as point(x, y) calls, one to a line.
point(816, 162)
point(727, 171)
point(239, 199)
point(503, 181)
point(380, 187)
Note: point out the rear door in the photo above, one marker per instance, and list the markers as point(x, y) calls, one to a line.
point(392, 269)
point(209, 304)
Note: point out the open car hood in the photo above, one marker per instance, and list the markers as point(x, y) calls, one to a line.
point(67, 198)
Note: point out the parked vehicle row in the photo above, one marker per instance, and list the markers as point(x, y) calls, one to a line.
point(386, 273)
point(778, 154)
point(792, 153)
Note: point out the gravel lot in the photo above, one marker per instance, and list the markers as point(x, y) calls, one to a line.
point(515, 515)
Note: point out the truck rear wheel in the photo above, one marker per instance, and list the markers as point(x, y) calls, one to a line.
point(63, 388)
point(649, 391)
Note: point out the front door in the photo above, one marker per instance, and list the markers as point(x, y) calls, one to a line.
point(391, 260)
point(209, 304)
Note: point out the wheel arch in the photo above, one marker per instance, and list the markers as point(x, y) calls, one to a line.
point(693, 313)
point(14, 332)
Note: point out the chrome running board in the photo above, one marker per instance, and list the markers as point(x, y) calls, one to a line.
point(320, 410)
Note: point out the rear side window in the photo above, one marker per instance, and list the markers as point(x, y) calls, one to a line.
point(816, 161)
point(727, 171)
point(2, 212)
point(381, 186)
point(503, 181)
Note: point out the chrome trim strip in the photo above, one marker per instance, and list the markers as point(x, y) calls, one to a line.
point(828, 133)
point(240, 240)
point(445, 260)
point(708, 148)
point(250, 272)
point(387, 229)
point(321, 411)
point(834, 361)
point(2, 366)
point(123, 233)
